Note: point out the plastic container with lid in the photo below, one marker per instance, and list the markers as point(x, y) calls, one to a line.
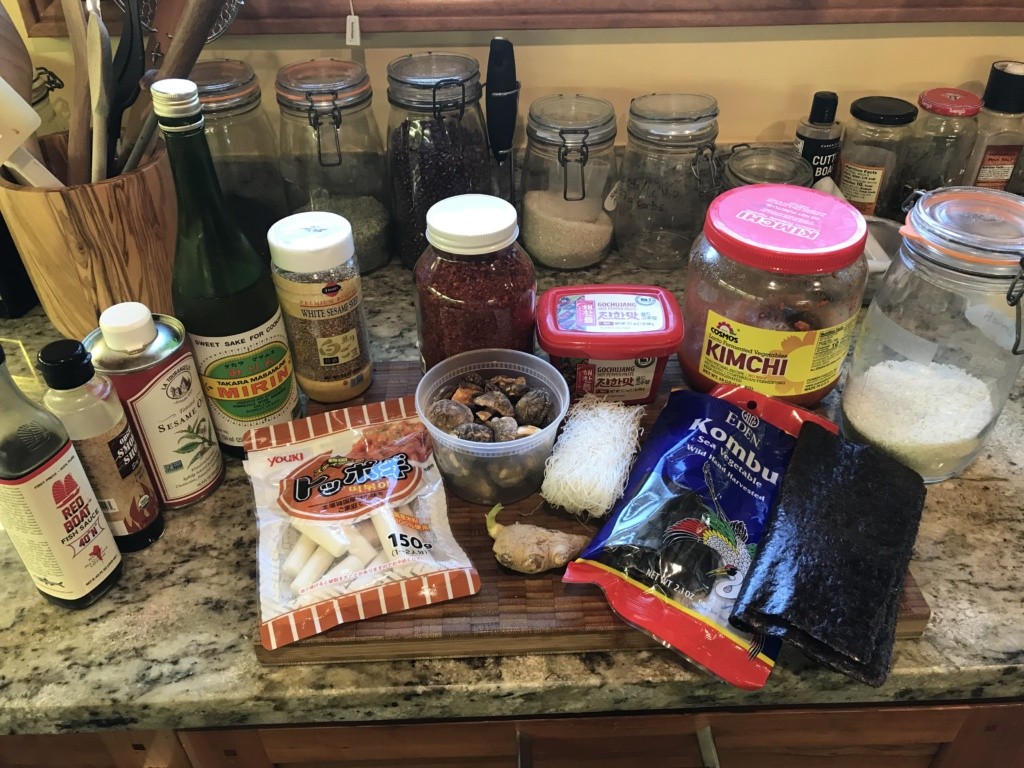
point(940, 141)
point(669, 174)
point(437, 139)
point(316, 275)
point(568, 174)
point(242, 145)
point(331, 154)
point(873, 148)
point(475, 286)
point(940, 348)
point(610, 340)
point(767, 165)
point(776, 281)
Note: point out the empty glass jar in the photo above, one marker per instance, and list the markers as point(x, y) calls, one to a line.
point(437, 142)
point(568, 173)
point(669, 175)
point(939, 350)
point(332, 158)
point(767, 165)
point(242, 145)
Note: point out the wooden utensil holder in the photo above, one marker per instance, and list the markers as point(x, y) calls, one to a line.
point(88, 246)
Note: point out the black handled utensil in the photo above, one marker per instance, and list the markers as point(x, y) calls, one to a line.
point(502, 102)
point(128, 68)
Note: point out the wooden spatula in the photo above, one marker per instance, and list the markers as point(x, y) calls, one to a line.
point(18, 121)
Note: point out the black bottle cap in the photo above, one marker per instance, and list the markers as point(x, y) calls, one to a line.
point(823, 108)
point(65, 364)
point(883, 110)
point(1004, 91)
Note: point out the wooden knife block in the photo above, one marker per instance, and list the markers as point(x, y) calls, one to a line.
point(89, 246)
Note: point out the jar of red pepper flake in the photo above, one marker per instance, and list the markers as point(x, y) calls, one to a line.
point(475, 286)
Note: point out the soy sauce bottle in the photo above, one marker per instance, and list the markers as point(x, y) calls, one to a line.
point(48, 507)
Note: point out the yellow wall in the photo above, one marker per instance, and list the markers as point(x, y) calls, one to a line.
point(763, 77)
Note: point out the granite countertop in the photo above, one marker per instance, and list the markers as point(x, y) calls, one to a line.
point(172, 645)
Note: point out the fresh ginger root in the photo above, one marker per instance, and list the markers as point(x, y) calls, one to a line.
point(530, 548)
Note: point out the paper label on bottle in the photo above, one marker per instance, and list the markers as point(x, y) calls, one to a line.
point(328, 315)
point(820, 153)
point(58, 530)
point(114, 466)
point(175, 431)
point(997, 165)
point(776, 363)
point(248, 378)
point(860, 185)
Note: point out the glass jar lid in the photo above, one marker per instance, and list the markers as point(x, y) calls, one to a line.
point(322, 85)
point(883, 110)
point(225, 84)
point(674, 119)
point(950, 102)
point(434, 81)
point(969, 229)
point(587, 119)
point(768, 165)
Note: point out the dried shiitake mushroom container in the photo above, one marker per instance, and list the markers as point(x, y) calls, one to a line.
point(505, 468)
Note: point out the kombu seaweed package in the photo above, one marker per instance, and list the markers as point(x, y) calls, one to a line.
point(678, 544)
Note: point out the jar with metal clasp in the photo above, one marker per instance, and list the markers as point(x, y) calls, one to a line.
point(437, 140)
point(940, 348)
point(331, 154)
point(766, 165)
point(242, 145)
point(43, 84)
point(568, 173)
point(669, 175)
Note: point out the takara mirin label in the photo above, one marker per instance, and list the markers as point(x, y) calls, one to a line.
point(55, 523)
point(247, 378)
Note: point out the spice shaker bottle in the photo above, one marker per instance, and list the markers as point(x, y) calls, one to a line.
point(475, 286)
point(568, 173)
point(87, 405)
point(242, 145)
point(940, 347)
point(940, 141)
point(437, 139)
point(669, 175)
point(872, 150)
point(149, 360)
point(331, 153)
point(776, 281)
point(766, 165)
point(997, 161)
point(48, 507)
point(316, 275)
point(818, 136)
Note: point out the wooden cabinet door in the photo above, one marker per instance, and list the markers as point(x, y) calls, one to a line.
point(448, 744)
point(114, 749)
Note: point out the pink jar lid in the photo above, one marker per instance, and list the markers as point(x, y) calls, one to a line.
point(950, 102)
point(785, 229)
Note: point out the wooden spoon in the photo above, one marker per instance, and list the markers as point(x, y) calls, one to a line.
point(98, 44)
point(78, 127)
point(16, 65)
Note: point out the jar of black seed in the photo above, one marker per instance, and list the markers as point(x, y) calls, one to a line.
point(316, 275)
point(437, 142)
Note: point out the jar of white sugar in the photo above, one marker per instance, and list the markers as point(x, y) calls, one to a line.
point(568, 175)
point(940, 347)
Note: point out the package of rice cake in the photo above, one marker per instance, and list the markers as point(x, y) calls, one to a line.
point(676, 547)
point(352, 519)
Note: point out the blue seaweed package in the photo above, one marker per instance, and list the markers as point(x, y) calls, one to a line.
point(678, 544)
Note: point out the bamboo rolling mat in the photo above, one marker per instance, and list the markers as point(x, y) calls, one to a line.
point(513, 613)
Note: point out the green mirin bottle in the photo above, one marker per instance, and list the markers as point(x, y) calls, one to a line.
point(221, 289)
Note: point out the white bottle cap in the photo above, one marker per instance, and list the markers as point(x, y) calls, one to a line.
point(313, 241)
point(471, 224)
point(127, 327)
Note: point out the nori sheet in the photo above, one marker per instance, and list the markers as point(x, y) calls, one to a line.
point(828, 573)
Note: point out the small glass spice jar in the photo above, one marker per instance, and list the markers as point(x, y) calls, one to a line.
point(776, 281)
point(669, 175)
point(316, 274)
point(242, 145)
point(766, 165)
point(331, 154)
point(437, 142)
point(940, 348)
point(873, 147)
point(940, 141)
point(568, 173)
point(475, 286)
point(997, 161)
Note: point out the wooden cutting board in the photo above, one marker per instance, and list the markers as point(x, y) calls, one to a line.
point(513, 613)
